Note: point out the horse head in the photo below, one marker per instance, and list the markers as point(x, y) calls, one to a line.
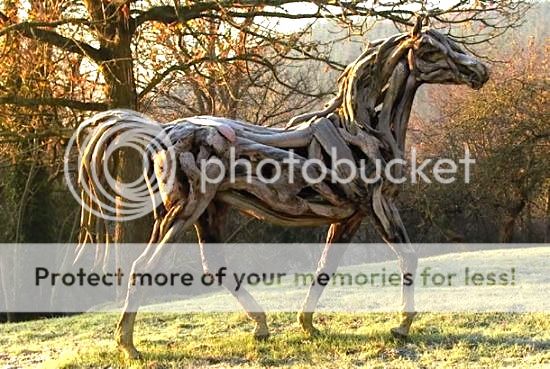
point(376, 91)
point(438, 59)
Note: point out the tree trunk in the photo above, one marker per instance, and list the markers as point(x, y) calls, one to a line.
point(510, 218)
point(507, 230)
point(547, 217)
point(121, 92)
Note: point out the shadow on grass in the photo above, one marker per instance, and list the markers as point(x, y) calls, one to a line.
point(475, 338)
point(301, 349)
point(280, 351)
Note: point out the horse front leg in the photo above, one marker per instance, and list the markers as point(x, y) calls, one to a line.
point(390, 227)
point(338, 238)
point(408, 262)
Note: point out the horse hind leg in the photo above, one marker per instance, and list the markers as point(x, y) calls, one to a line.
point(179, 218)
point(146, 262)
point(338, 238)
point(209, 232)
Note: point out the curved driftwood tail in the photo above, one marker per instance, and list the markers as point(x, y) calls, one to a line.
point(95, 141)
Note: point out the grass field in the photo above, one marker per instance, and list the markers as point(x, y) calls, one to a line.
point(224, 340)
point(171, 340)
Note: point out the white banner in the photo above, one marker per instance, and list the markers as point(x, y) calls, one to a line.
point(449, 277)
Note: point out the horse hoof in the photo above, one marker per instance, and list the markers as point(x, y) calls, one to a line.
point(400, 333)
point(306, 322)
point(261, 334)
point(130, 352)
point(311, 331)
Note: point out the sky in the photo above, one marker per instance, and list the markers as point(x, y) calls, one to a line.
point(293, 25)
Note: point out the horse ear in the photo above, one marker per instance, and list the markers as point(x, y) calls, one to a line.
point(417, 29)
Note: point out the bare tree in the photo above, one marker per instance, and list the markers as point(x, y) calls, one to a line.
point(106, 36)
point(506, 129)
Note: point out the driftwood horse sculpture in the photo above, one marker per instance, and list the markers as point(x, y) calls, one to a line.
point(366, 120)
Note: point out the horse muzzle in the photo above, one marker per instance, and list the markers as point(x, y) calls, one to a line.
point(477, 75)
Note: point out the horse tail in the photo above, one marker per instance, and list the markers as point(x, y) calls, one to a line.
point(97, 138)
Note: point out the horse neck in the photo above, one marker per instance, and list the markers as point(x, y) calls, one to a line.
point(379, 110)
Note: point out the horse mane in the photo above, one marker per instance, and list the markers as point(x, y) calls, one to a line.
point(361, 85)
